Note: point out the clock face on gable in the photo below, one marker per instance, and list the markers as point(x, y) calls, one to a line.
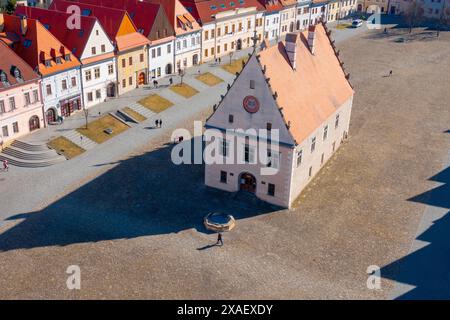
point(250, 104)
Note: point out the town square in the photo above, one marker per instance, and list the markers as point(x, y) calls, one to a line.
point(362, 180)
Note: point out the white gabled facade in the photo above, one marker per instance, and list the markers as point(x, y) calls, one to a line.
point(61, 92)
point(98, 70)
point(161, 58)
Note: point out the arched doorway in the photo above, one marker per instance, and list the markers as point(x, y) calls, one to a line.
point(169, 68)
point(247, 182)
point(34, 123)
point(298, 24)
point(111, 90)
point(141, 79)
point(195, 59)
point(359, 7)
point(239, 44)
point(51, 115)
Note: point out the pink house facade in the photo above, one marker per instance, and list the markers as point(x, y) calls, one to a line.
point(21, 109)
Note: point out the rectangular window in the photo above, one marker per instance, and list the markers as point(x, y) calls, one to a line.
point(88, 75)
point(98, 94)
point(212, 34)
point(110, 69)
point(233, 28)
point(124, 83)
point(93, 50)
point(230, 118)
point(5, 131)
point(268, 126)
point(158, 72)
point(103, 48)
point(184, 43)
point(64, 84)
point(313, 144)
point(192, 41)
point(48, 89)
point(35, 96)
point(123, 63)
point(97, 73)
point(2, 106)
point(141, 56)
point(299, 158)
point(130, 61)
point(325, 132)
point(252, 84)
point(249, 153)
point(225, 47)
point(223, 176)
point(240, 26)
point(271, 189)
point(158, 53)
point(169, 48)
point(153, 53)
point(249, 24)
point(218, 49)
point(130, 81)
point(206, 52)
point(27, 98)
point(336, 124)
point(218, 32)
point(206, 34)
point(90, 96)
point(15, 127)
point(178, 45)
point(74, 81)
point(224, 147)
point(226, 29)
point(273, 159)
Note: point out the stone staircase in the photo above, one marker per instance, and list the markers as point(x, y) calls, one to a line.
point(75, 137)
point(23, 154)
point(141, 110)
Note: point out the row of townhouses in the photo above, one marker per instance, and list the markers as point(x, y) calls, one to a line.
point(86, 51)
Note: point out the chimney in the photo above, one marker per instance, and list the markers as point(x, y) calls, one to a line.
point(2, 22)
point(23, 25)
point(311, 38)
point(291, 48)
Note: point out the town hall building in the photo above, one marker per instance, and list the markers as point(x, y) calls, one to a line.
point(297, 88)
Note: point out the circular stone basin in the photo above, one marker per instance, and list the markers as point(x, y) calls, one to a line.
point(219, 222)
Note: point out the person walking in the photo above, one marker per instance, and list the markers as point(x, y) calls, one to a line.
point(160, 123)
point(220, 60)
point(170, 81)
point(219, 239)
point(390, 73)
point(156, 123)
point(5, 165)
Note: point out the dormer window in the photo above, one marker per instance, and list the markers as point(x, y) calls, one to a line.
point(58, 60)
point(48, 63)
point(3, 77)
point(67, 57)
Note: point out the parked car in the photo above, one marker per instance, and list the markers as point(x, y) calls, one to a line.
point(357, 23)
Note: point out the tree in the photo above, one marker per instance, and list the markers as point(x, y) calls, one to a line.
point(86, 115)
point(10, 6)
point(414, 14)
point(181, 73)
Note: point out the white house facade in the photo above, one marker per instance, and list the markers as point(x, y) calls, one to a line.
point(161, 57)
point(303, 12)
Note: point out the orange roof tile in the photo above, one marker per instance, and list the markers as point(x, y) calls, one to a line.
point(131, 40)
point(36, 45)
point(314, 91)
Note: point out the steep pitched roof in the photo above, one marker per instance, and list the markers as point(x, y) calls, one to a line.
point(115, 22)
point(36, 45)
point(55, 22)
point(315, 90)
point(204, 10)
point(142, 13)
point(7, 66)
point(271, 5)
point(177, 13)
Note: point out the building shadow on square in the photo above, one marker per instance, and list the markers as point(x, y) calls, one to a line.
point(141, 196)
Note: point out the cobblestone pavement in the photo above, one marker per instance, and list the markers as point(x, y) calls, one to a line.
point(136, 229)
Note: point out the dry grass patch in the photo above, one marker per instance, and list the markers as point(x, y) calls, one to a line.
point(209, 79)
point(184, 90)
point(343, 26)
point(235, 66)
point(65, 147)
point(135, 115)
point(96, 129)
point(155, 103)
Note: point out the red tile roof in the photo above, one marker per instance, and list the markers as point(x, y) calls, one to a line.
point(174, 9)
point(315, 90)
point(55, 21)
point(271, 5)
point(6, 66)
point(36, 45)
point(142, 13)
point(204, 10)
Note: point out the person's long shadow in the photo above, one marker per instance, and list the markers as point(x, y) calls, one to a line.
point(428, 268)
point(141, 196)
